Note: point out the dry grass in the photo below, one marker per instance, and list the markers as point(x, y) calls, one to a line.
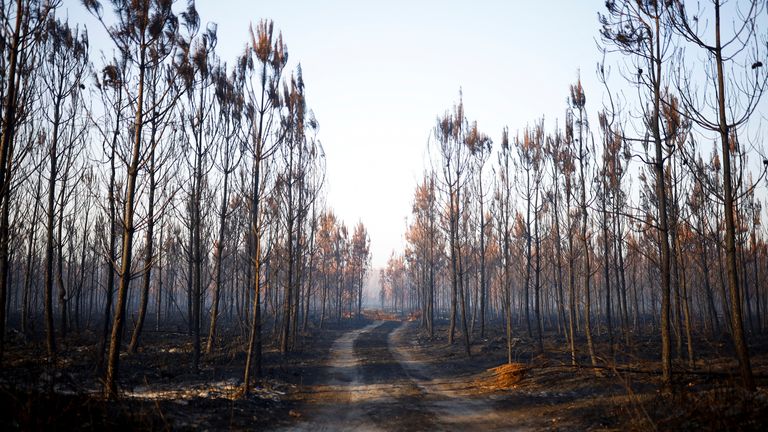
point(501, 377)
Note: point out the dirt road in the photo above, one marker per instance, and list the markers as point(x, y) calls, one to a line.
point(375, 381)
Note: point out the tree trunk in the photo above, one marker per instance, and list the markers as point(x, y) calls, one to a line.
point(159, 292)
point(739, 338)
point(49, 242)
point(571, 279)
point(483, 288)
point(148, 252)
point(537, 278)
point(63, 304)
point(586, 268)
point(254, 339)
point(6, 152)
point(219, 256)
point(454, 266)
point(30, 255)
point(663, 231)
point(528, 258)
point(606, 270)
point(110, 253)
point(110, 381)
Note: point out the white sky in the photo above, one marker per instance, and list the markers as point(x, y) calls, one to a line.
point(378, 74)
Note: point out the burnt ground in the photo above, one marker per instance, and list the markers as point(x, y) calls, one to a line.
point(390, 376)
point(625, 393)
point(158, 389)
point(381, 375)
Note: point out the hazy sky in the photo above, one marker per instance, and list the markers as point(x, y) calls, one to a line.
point(378, 73)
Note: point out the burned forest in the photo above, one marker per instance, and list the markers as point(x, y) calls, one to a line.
point(183, 247)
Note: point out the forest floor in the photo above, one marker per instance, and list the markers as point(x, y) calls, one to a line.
point(382, 374)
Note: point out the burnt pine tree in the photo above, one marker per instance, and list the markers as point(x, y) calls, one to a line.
point(141, 28)
point(21, 24)
point(158, 152)
point(735, 68)
point(196, 115)
point(450, 133)
point(229, 105)
point(109, 84)
point(263, 62)
point(480, 148)
point(504, 203)
point(578, 102)
point(64, 66)
point(637, 29)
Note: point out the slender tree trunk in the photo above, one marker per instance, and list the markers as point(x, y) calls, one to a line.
point(310, 268)
point(571, 279)
point(663, 231)
point(299, 265)
point(755, 254)
point(323, 297)
point(739, 338)
point(81, 278)
point(148, 251)
point(110, 381)
point(586, 267)
point(586, 270)
point(606, 270)
point(63, 301)
point(432, 235)
point(528, 257)
point(722, 278)
point(745, 283)
point(6, 152)
point(109, 255)
point(707, 286)
point(217, 264)
point(288, 291)
point(5, 259)
point(558, 250)
point(687, 314)
point(159, 292)
point(454, 266)
point(464, 312)
point(49, 243)
point(30, 257)
point(483, 283)
point(675, 281)
point(537, 277)
point(254, 339)
point(620, 270)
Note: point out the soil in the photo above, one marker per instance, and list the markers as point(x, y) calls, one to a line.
point(380, 374)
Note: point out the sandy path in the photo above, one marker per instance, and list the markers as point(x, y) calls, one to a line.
point(376, 381)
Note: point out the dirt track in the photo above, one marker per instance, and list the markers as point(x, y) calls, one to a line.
point(374, 381)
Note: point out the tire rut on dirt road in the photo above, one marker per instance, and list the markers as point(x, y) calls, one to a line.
point(365, 388)
point(450, 400)
point(402, 408)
